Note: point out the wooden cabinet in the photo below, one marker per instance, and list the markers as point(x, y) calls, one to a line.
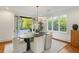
point(75, 38)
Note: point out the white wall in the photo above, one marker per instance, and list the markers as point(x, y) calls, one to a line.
point(6, 24)
point(73, 18)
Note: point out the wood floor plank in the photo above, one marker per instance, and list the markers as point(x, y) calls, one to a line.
point(69, 49)
point(2, 45)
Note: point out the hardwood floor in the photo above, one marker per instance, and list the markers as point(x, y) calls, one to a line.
point(69, 49)
point(3, 43)
point(66, 49)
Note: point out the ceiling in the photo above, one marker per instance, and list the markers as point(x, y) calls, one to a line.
point(42, 10)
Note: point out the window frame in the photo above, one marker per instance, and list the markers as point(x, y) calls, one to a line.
point(58, 24)
point(16, 20)
point(47, 24)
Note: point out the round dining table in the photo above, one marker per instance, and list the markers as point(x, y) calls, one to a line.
point(27, 38)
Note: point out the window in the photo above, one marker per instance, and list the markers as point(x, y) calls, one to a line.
point(26, 24)
point(58, 23)
point(23, 24)
point(50, 23)
point(55, 24)
point(63, 23)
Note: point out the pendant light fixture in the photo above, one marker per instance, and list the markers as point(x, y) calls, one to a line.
point(37, 12)
point(36, 19)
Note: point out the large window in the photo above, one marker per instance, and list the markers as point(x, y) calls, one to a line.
point(63, 23)
point(23, 24)
point(55, 23)
point(50, 23)
point(26, 24)
point(58, 23)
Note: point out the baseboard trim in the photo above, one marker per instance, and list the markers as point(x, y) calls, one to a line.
point(6, 41)
point(60, 40)
point(63, 48)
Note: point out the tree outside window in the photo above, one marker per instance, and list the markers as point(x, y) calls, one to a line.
point(23, 24)
point(60, 23)
point(63, 23)
point(26, 23)
point(55, 25)
point(50, 23)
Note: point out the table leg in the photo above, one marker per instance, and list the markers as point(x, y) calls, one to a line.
point(28, 44)
point(27, 40)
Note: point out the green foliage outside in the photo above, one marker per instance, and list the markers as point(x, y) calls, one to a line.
point(26, 23)
point(55, 25)
point(60, 23)
point(63, 23)
point(50, 24)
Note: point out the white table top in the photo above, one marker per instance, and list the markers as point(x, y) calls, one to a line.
point(27, 35)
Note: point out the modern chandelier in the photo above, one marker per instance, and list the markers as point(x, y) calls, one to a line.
point(37, 12)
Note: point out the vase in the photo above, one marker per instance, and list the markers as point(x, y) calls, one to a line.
point(75, 26)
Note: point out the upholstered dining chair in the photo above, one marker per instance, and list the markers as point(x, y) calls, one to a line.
point(48, 40)
point(19, 45)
